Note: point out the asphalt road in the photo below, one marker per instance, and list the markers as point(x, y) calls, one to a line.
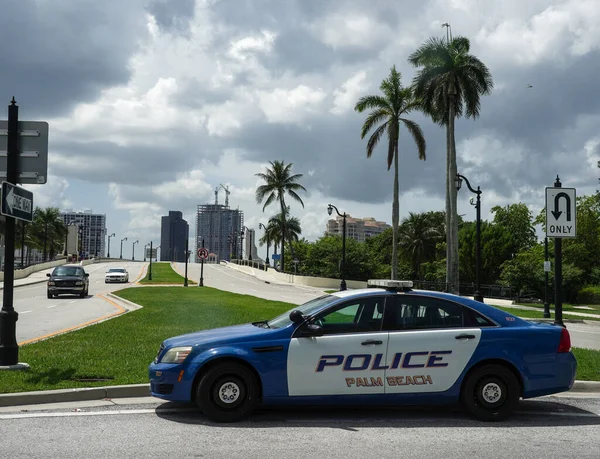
point(224, 278)
point(40, 316)
point(544, 428)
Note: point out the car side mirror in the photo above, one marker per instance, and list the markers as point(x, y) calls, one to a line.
point(48, 275)
point(296, 316)
point(309, 331)
point(87, 274)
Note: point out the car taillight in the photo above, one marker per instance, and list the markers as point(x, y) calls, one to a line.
point(565, 341)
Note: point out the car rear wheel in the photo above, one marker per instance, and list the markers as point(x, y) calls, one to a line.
point(491, 393)
point(227, 393)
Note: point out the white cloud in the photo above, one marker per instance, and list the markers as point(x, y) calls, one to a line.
point(351, 29)
point(290, 105)
point(345, 97)
point(242, 48)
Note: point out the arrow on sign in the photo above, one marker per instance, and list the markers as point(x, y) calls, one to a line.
point(10, 200)
point(557, 213)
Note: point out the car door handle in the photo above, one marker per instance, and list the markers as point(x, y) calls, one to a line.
point(465, 336)
point(370, 342)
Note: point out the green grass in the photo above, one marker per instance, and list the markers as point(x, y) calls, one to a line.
point(568, 307)
point(588, 364)
point(528, 314)
point(331, 291)
point(119, 350)
point(163, 273)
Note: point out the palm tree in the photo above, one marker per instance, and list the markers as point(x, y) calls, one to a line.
point(390, 109)
point(269, 237)
point(48, 229)
point(279, 181)
point(450, 82)
point(292, 228)
point(418, 236)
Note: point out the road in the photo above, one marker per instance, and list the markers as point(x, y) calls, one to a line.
point(224, 278)
point(544, 428)
point(40, 316)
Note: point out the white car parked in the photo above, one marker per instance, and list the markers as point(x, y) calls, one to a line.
point(116, 275)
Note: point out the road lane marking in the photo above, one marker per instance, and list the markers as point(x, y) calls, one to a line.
point(25, 312)
point(120, 310)
point(50, 307)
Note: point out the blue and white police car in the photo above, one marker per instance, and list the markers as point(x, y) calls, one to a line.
point(384, 345)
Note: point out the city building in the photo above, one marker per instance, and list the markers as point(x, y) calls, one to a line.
point(88, 241)
point(174, 232)
point(220, 229)
point(359, 229)
point(250, 251)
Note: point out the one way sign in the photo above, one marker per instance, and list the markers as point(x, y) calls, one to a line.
point(561, 212)
point(17, 202)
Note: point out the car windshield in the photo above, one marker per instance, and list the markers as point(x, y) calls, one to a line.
point(67, 271)
point(116, 270)
point(307, 309)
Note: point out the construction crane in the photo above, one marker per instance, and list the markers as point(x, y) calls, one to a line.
point(226, 194)
point(216, 196)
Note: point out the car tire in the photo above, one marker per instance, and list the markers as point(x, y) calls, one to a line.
point(50, 295)
point(83, 294)
point(491, 393)
point(228, 392)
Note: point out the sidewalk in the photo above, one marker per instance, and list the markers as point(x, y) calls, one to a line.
point(34, 278)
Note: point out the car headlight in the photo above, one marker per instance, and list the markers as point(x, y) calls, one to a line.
point(51, 283)
point(176, 354)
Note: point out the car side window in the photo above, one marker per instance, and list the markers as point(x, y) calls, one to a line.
point(414, 313)
point(358, 316)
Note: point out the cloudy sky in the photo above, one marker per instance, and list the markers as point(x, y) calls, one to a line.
point(153, 103)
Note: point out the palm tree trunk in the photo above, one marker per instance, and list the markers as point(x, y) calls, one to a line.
point(452, 204)
point(282, 235)
point(395, 216)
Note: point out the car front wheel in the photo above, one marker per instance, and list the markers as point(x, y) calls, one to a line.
point(227, 393)
point(491, 393)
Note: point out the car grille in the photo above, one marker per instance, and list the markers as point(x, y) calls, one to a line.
point(164, 389)
point(64, 283)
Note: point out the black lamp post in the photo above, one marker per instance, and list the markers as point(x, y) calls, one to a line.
point(330, 208)
point(109, 236)
point(459, 178)
point(133, 251)
point(261, 226)
point(121, 254)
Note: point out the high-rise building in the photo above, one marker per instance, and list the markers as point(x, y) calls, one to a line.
point(91, 230)
point(250, 252)
point(220, 229)
point(174, 232)
point(359, 229)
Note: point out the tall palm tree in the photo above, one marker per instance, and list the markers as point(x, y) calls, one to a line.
point(450, 82)
point(269, 237)
point(279, 181)
point(418, 236)
point(390, 110)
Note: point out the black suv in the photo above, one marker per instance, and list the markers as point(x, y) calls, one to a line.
point(68, 279)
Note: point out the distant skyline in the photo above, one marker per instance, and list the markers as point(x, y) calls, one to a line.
point(153, 104)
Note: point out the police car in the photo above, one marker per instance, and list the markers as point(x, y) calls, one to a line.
point(384, 345)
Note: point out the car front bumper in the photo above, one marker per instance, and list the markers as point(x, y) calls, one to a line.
point(169, 383)
point(58, 290)
point(115, 279)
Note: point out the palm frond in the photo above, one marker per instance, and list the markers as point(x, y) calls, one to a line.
point(375, 138)
point(373, 101)
point(417, 135)
point(295, 196)
point(375, 117)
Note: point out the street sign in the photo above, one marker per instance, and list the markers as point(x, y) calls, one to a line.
point(33, 157)
point(561, 212)
point(276, 256)
point(17, 202)
point(547, 267)
point(202, 253)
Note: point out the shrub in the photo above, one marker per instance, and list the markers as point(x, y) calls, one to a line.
point(589, 295)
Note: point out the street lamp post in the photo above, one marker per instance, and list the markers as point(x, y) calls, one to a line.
point(459, 178)
point(261, 226)
point(330, 208)
point(133, 251)
point(121, 254)
point(109, 236)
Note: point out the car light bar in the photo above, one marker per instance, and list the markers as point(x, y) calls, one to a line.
point(386, 283)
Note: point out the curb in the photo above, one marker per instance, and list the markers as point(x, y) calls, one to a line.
point(143, 390)
point(74, 395)
point(28, 283)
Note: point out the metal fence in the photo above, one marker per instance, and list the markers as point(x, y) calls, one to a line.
point(468, 289)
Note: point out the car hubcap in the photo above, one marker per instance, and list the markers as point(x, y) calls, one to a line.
point(229, 392)
point(491, 393)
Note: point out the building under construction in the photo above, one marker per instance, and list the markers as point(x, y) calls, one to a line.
point(220, 227)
